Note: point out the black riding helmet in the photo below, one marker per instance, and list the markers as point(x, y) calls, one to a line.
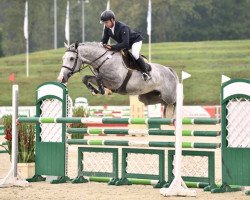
point(107, 15)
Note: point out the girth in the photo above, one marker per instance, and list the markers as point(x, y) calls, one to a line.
point(122, 88)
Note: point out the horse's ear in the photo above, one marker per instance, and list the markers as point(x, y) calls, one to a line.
point(66, 46)
point(76, 44)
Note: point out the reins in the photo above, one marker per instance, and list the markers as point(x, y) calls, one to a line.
point(90, 64)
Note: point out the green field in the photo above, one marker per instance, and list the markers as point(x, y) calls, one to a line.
point(205, 61)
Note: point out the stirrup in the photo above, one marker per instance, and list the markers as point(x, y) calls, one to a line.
point(146, 76)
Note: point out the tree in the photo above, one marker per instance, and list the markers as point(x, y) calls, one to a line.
point(172, 20)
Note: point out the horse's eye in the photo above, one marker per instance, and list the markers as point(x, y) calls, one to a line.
point(71, 59)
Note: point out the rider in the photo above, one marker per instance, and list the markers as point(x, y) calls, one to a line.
point(125, 38)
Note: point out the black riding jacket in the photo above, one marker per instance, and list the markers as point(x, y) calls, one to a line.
point(123, 35)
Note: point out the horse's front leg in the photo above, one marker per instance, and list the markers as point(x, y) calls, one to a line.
point(87, 80)
point(100, 84)
point(101, 88)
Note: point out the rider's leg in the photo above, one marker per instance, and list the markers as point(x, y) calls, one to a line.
point(135, 50)
point(145, 75)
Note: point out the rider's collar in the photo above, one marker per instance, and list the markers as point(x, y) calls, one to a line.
point(113, 28)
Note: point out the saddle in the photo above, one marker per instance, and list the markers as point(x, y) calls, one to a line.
point(130, 61)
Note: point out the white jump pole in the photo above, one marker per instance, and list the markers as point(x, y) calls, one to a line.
point(178, 186)
point(13, 178)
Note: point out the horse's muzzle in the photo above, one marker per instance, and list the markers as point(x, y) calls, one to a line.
point(61, 79)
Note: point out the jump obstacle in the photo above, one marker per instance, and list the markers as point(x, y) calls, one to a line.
point(231, 99)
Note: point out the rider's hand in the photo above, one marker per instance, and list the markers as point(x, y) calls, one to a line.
point(107, 46)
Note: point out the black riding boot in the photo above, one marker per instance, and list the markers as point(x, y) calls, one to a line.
point(145, 72)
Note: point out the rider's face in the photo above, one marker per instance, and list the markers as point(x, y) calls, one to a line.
point(109, 23)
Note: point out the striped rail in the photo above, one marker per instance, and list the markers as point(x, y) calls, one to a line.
point(141, 132)
point(165, 121)
point(142, 143)
point(146, 181)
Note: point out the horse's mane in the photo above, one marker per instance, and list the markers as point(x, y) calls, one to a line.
point(96, 44)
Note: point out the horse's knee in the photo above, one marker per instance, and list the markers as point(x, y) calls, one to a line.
point(142, 98)
point(99, 79)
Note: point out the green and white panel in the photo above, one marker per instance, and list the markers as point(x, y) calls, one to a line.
point(98, 162)
point(51, 152)
point(51, 132)
point(235, 103)
point(197, 166)
point(143, 164)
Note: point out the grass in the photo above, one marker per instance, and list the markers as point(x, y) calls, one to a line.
point(205, 61)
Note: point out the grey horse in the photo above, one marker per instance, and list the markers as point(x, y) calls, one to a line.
point(111, 74)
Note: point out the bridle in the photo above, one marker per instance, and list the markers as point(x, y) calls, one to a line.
point(72, 70)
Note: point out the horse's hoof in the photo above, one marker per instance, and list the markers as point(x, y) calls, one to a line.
point(93, 93)
point(107, 91)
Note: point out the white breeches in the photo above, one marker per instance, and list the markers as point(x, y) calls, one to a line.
point(135, 49)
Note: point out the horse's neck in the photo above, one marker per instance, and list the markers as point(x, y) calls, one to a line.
point(97, 55)
point(91, 52)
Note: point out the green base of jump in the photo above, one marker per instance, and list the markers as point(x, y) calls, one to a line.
point(123, 181)
point(226, 188)
point(113, 181)
point(80, 179)
point(210, 187)
point(36, 178)
point(39, 178)
point(160, 184)
point(61, 179)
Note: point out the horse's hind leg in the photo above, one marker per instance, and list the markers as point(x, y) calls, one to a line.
point(155, 97)
point(150, 98)
point(169, 111)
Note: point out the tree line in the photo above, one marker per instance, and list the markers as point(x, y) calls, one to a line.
point(172, 20)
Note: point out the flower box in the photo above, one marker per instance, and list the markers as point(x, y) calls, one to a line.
point(26, 170)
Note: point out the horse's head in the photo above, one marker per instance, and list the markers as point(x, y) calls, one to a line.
point(71, 63)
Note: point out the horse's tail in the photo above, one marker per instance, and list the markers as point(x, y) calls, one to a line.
point(176, 82)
